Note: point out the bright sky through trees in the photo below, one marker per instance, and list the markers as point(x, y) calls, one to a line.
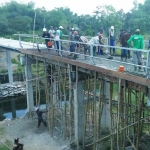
point(80, 6)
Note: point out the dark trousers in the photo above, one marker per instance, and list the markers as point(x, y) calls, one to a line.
point(112, 43)
point(100, 51)
point(43, 121)
point(57, 44)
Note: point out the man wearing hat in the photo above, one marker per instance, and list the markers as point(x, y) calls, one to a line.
point(112, 40)
point(58, 35)
point(46, 35)
point(138, 43)
point(51, 32)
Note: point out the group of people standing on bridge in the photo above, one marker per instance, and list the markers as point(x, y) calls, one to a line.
point(52, 35)
point(125, 39)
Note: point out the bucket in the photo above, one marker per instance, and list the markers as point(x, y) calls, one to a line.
point(121, 69)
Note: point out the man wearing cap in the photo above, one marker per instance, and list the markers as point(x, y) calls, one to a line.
point(51, 32)
point(46, 35)
point(112, 39)
point(58, 35)
point(40, 117)
point(138, 43)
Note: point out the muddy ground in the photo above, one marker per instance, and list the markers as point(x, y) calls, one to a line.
point(32, 137)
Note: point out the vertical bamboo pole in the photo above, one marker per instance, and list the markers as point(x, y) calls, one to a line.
point(139, 117)
point(110, 111)
point(124, 111)
point(121, 111)
point(118, 119)
point(70, 103)
point(39, 91)
point(86, 112)
point(77, 107)
point(51, 113)
point(95, 114)
point(36, 82)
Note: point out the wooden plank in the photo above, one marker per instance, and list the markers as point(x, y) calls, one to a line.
point(128, 77)
point(129, 84)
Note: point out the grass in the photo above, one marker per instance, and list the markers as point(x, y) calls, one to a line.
point(2, 147)
point(7, 142)
point(2, 131)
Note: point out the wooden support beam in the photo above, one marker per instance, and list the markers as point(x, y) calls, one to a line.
point(101, 71)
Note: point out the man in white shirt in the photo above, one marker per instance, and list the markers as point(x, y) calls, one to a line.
point(51, 32)
point(93, 41)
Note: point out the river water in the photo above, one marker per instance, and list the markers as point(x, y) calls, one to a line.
point(20, 105)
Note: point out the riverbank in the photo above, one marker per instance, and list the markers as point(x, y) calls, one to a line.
point(32, 137)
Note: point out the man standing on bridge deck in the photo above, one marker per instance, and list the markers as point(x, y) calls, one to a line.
point(72, 44)
point(46, 35)
point(111, 39)
point(138, 43)
point(123, 42)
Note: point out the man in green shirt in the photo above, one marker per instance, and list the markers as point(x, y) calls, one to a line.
point(136, 41)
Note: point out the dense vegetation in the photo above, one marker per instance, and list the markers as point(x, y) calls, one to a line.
point(18, 18)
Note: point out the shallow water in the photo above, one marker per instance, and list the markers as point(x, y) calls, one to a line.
point(20, 108)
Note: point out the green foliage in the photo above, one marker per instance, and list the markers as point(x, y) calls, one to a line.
point(18, 18)
point(18, 57)
point(14, 61)
point(20, 68)
point(3, 71)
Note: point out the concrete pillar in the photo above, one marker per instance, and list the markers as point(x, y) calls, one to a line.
point(78, 112)
point(105, 120)
point(13, 108)
point(148, 65)
point(10, 73)
point(29, 87)
point(148, 97)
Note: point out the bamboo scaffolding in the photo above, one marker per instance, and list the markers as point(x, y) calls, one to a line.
point(127, 115)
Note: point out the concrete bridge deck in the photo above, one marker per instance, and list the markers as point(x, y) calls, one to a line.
point(108, 67)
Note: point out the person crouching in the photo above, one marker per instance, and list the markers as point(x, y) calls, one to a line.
point(18, 146)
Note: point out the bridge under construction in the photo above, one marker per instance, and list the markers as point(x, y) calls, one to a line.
point(89, 101)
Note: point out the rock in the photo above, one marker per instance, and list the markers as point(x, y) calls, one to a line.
point(12, 89)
